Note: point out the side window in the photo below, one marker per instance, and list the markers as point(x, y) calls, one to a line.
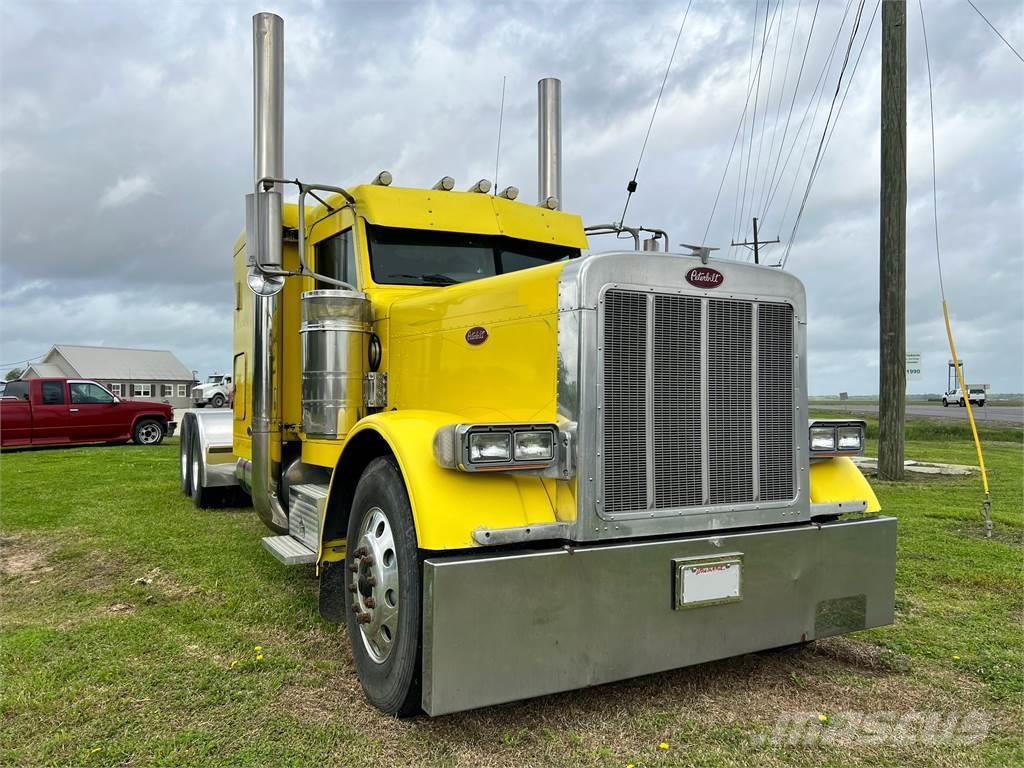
point(335, 257)
point(18, 389)
point(53, 393)
point(87, 393)
point(238, 399)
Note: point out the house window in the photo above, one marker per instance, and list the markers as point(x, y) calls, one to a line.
point(183, 390)
point(115, 387)
point(142, 390)
point(166, 390)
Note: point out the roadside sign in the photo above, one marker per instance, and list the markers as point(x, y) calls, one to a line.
point(913, 366)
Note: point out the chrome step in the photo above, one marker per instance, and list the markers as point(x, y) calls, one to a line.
point(305, 511)
point(289, 550)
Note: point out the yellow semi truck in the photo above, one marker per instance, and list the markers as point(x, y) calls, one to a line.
point(520, 466)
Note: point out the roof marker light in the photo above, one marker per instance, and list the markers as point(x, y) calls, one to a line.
point(483, 186)
point(446, 184)
point(509, 193)
point(382, 179)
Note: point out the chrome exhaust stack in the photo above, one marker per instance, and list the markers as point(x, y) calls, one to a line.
point(264, 241)
point(549, 143)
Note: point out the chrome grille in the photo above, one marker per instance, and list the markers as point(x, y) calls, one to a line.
point(698, 405)
point(625, 401)
point(730, 402)
point(775, 401)
point(677, 409)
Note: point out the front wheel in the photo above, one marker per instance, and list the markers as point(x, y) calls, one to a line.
point(945, 403)
point(148, 432)
point(383, 579)
point(961, 402)
point(981, 403)
point(217, 401)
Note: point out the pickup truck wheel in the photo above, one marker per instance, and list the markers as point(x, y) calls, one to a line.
point(382, 579)
point(945, 403)
point(217, 401)
point(148, 432)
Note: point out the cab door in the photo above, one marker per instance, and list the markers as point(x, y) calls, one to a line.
point(94, 413)
point(50, 422)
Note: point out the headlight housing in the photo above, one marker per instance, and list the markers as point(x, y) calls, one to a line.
point(508, 447)
point(830, 437)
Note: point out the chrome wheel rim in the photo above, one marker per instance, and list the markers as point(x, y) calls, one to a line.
point(195, 474)
point(149, 434)
point(375, 601)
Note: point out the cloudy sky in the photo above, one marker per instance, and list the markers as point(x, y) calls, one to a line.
point(125, 133)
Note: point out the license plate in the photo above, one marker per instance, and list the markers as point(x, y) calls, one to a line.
point(708, 581)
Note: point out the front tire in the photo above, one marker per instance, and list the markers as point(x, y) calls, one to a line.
point(148, 432)
point(217, 401)
point(961, 402)
point(382, 582)
point(945, 403)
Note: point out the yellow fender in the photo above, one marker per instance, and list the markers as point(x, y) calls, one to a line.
point(447, 505)
point(839, 479)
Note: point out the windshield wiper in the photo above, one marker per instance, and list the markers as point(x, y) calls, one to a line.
point(434, 279)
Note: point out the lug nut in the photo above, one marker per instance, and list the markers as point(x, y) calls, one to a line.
point(368, 561)
point(370, 602)
point(355, 607)
point(371, 580)
point(364, 618)
point(361, 552)
point(353, 588)
point(354, 567)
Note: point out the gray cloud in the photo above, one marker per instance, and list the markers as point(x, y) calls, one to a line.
point(125, 152)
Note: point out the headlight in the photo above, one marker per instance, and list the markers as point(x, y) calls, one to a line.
point(486, 447)
point(850, 438)
point(534, 446)
point(823, 439)
point(836, 437)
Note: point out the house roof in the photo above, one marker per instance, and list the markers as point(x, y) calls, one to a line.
point(121, 363)
point(44, 371)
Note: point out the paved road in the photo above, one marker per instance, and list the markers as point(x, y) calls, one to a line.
point(992, 413)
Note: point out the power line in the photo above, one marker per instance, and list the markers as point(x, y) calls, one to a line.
point(821, 145)
point(631, 186)
point(728, 162)
point(736, 222)
point(822, 79)
point(18, 362)
point(767, 107)
point(753, 117)
point(1015, 51)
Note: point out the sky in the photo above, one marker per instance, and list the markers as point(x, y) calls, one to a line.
point(125, 152)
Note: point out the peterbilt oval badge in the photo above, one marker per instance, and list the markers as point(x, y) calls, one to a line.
point(705, 277)
point(476, 335)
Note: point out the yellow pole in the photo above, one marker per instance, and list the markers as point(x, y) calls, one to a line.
point(986, 506)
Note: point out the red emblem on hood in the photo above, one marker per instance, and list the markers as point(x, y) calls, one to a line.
point(476, 335)
point(705, 277)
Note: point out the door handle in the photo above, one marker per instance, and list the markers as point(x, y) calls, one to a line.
point(73, 410)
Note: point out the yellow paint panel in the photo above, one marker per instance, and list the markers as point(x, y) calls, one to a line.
point(449, 505)
point(839, 479)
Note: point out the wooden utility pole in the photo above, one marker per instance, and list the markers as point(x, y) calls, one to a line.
point(757, 244)
point(892, 254)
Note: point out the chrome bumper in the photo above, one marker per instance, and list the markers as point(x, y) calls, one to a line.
point(503, 627)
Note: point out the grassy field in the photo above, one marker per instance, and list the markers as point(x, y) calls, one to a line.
point(138, 630)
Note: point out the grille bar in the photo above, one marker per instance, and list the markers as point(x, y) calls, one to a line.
point(698, 402)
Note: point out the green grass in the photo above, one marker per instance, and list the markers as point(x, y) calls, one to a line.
point(130, 621)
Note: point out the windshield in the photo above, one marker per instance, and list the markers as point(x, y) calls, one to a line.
point(417, 257)
point(215, 380)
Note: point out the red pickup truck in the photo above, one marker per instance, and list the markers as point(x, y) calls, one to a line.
point(53, 411)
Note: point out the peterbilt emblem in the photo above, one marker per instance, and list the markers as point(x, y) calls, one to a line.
point(476, 335)
point(705, 277)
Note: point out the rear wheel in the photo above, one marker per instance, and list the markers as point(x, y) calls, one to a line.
point(148, 432)
point(185, 461)
point(382, 579)
point(981, 403)
point(201, 496)
point(217, 401)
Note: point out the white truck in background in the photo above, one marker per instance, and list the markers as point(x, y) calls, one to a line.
point(215, 392)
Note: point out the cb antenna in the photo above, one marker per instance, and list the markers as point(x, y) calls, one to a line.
point(501, 116)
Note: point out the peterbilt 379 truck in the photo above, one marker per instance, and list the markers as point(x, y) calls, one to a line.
point(520, 466)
